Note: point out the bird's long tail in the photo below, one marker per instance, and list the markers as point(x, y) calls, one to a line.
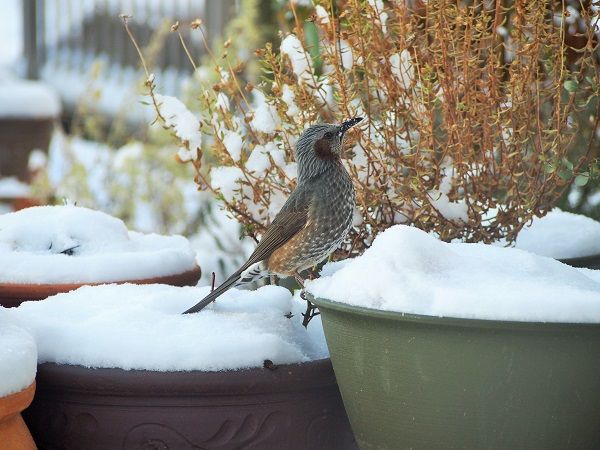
point(239, 278)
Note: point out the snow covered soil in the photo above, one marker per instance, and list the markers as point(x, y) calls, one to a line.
point(407, 270)
point(69, 244)
point(18, 358)
point(141, 327)
point(561, 235)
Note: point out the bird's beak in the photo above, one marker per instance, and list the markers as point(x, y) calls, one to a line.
point(346, 125)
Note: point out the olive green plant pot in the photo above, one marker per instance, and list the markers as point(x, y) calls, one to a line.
point(412, 381)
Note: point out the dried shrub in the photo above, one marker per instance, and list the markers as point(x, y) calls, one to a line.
point(472, 110)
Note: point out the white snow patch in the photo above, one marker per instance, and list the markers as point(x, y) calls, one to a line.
point(265, 120)
point(402, 68)
point(233, 144)
point(227, 180)
point(560, 235)
point(141, 327)
point(38, 159)
point(258, 161)
point(289, 99)
point(184, 123)
point(322, 14)
point(12, 187)
point(409, 271)
point(299, 58)
point(18, 357)
point(31, 99)
point(68, 244)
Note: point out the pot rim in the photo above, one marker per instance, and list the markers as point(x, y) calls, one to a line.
point(447, 321)
point(147, 383)
point(13, 294)
point(580, 261)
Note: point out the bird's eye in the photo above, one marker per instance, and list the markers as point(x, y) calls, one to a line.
point(328, 135)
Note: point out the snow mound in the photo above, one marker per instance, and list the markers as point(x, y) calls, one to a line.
point(561, 235)
point(18, 357)
point(141, 327)
point(406, 270)
point(28, 99)
point(69, 244)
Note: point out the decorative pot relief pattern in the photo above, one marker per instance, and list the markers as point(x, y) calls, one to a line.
point(232, 434)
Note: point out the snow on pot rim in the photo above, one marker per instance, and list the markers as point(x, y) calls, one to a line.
point(141, 327)
point(18, 358)
point(408, 271)
point(560, 235)
point(69, 244)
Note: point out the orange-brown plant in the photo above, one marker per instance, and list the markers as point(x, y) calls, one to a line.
point(471, 113)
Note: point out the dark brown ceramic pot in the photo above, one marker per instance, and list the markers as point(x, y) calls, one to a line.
point(19, 137)
point(289, 407)
point(12, 295)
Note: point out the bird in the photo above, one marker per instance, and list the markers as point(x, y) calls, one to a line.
point(313, 221)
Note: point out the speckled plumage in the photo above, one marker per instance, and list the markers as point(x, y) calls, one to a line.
point(314, 220)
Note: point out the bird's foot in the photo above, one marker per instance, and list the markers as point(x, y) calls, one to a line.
point(311, 311)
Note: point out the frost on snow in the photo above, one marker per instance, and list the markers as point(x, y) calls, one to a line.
point(409, 271)
point(68, 244)
point(141, 327)
point(18, 357)
point(185, 125)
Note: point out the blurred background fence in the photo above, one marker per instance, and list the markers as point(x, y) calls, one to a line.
point(63, 39)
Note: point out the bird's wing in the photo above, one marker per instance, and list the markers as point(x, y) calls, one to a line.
point(289, 221)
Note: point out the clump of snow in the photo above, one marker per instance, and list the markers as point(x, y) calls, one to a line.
point(12, 187)
point(289, 99)
point(299, 58)
point(185, 125)
point(233, 144)
point(69, 244)
point(141, 327)
point(346, 54)
point(31, 99)
point(18, 357)
point(227, 180)
point(322, 14)
point(265, 119)
point(38, 159)
point(561, 235)
point(409, 271)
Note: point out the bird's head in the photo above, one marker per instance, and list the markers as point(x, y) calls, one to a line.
point(323, 142)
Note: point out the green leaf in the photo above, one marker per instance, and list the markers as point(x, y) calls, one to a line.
point(571, 85)
point(582, 179)
point(568, 164)
point(565, 174)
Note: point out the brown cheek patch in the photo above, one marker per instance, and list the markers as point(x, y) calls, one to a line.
point(323, 149)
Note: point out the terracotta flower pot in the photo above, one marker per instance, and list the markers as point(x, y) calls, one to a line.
point(12, 295)
point(289, 407)
point(14, 434)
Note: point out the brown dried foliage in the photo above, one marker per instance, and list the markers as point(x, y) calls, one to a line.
point(469, 111)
